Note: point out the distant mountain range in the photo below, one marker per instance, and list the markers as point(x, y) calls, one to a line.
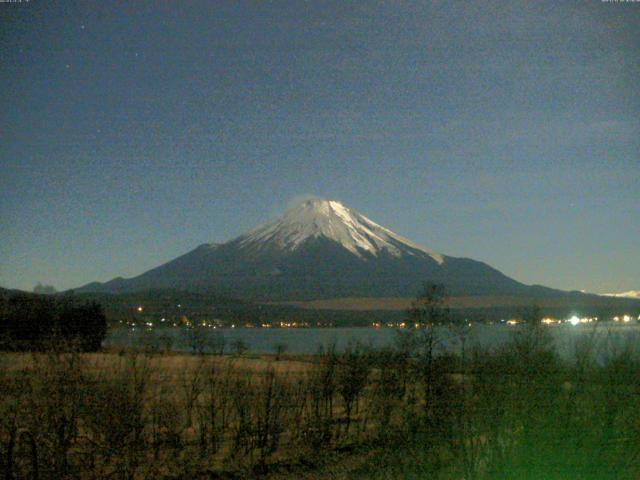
point(321, 250)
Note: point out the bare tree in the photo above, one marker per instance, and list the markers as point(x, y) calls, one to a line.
point(279, 349)
point(351, 376)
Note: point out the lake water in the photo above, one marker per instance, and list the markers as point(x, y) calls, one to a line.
point(608, 337)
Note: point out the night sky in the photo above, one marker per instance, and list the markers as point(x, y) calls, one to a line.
point(508, 132)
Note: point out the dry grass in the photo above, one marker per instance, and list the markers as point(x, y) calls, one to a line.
point(170, 364)
point(133, 415)
point(516, 413)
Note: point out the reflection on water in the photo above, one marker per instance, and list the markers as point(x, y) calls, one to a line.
point(607, 338)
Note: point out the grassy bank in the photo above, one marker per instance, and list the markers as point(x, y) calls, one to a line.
point(404, 413)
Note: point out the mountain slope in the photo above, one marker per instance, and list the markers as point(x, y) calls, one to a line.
point(320, 249)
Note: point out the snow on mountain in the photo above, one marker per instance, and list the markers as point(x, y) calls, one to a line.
point(629, 294)
point(332, 220)
point(317, 250)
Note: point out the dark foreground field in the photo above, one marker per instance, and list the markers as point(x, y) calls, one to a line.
point(404, 413)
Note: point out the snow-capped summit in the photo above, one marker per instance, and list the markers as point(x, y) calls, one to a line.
point(629, 294)
point(332, 220)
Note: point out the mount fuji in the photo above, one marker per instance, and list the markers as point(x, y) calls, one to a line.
point(320, 249)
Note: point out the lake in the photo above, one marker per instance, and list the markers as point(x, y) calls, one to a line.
point(608, 337)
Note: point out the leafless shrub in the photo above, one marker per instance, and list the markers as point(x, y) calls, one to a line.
point(352, 373)
point(280, 349)
point(54, 409)
point(239, 347)
point(321, 384)
point(269, 415)
point(214, 410)
point(165, 421)
point(389, 387)
point(242, 397)
point(191, 382)
point(115, 418)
